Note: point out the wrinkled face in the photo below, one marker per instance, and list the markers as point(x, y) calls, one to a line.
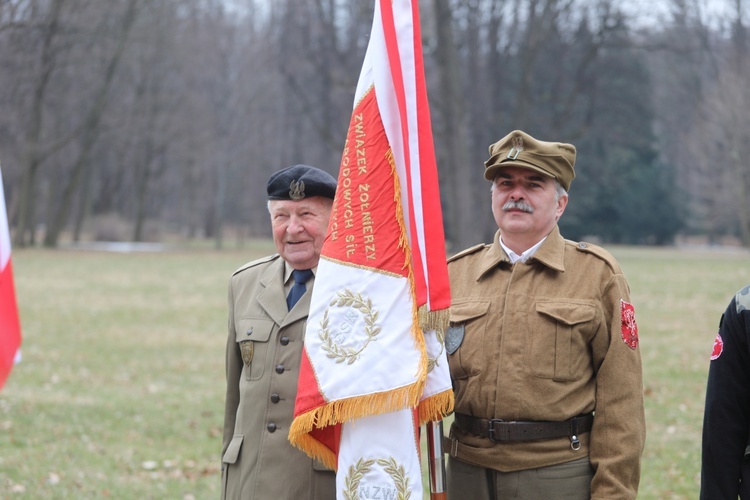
point(299, 228)
point(525, 205)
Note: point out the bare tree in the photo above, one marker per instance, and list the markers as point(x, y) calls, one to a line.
point(36, 152)
point(717, 144)
point(90, 129)
point(455, 157)
point(168, 112)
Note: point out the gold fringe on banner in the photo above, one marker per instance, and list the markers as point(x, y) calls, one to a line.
point(345, 410)
point(436, 407)
point(434, 320)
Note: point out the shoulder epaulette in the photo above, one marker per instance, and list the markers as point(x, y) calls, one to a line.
point(742, 299)
point(468, 251)
point(597, 251)
point(256, 262)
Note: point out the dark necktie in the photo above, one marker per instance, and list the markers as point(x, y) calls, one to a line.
point(298, 289)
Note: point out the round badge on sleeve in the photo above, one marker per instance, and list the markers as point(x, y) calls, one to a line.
point(629, 326)
point(718, 347)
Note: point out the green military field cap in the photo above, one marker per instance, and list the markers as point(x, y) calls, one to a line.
point(299, 182)
point(519, 149)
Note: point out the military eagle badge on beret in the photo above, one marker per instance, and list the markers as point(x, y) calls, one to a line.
point(297, 190)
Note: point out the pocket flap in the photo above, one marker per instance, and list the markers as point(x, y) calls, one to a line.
point(464, 311)
point(568, 313)
point(233, 450)
point(255, 329)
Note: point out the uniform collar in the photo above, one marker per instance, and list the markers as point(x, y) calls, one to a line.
point(288, 271)
point(273, 296)
point(526, 255)
point(550, 254)
point(552, 251)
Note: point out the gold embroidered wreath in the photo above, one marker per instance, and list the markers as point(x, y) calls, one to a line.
point(347, 298)
point(362, 467)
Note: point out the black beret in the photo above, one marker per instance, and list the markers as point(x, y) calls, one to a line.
point(299, 182)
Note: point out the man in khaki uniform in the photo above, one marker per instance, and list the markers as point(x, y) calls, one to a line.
point(543, 347)
point(269, 299)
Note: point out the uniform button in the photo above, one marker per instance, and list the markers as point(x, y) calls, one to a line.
point(279, 368)
point(271, 427)
point(275, 398)
point(284, 340)
point(250, 331)
point(582, 245)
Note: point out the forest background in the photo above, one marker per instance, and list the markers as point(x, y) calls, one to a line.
point(135, 120)
point(160, 121)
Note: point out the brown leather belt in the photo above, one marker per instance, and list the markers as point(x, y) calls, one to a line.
point(506, 431)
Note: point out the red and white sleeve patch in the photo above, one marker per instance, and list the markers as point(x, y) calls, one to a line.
point(718, 347)
point(629, 326)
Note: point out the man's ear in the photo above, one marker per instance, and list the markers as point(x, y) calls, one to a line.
point(562, 202)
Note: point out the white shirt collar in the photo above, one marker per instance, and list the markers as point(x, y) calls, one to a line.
point(514, 257)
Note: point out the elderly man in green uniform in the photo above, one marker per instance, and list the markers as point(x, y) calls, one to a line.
point(543, 347)
point(269, 299)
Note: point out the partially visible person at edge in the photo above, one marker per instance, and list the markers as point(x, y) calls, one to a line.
point(543, 347)
point(266, 333)
point(725, 461)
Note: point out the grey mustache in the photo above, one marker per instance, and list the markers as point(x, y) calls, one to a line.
point(518, 205)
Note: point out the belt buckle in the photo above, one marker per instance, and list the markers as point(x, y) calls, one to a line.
point(491, 431)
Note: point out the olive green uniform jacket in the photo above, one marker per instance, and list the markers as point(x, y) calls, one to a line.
point(258, 462)
point(543, 341)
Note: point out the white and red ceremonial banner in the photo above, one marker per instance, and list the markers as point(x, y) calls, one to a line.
point(10, 327)
point(374, 367)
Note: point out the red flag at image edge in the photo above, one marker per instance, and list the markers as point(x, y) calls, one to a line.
point(10, 327)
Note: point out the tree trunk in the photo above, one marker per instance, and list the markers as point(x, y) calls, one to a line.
point(25, 233)
point(84, 210)
point(457, 200)
point(91, 131)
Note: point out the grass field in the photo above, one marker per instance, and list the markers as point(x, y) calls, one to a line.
point(120, 391)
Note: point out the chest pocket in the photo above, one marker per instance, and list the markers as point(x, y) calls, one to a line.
point(252, 336)
point(470, 356)
point(561, 331)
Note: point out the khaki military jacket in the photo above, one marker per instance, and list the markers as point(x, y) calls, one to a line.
point(543, 341)
point(262, 366)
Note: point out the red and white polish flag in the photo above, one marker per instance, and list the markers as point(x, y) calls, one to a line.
point(374, 366)
point(10, 327)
